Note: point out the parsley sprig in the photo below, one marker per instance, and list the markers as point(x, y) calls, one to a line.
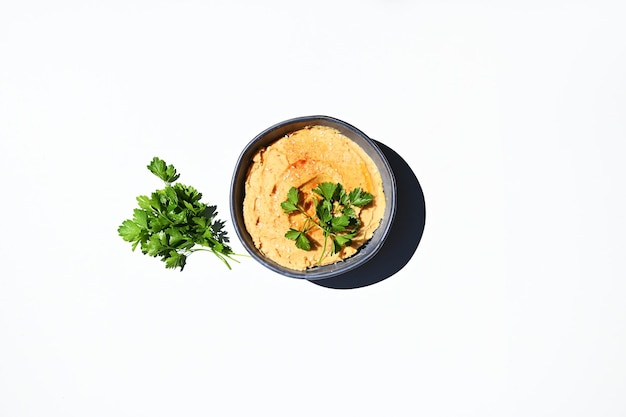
point(334, 215)
point(172, 223)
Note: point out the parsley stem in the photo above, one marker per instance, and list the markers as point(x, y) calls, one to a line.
point(319, 261)
point(311, 220)
point(221, 256)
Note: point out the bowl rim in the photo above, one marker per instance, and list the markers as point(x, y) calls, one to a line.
point(272, 134)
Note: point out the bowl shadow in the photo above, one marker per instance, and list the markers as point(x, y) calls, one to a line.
point(404, 236)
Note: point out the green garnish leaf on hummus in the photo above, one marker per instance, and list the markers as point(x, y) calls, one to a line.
point(334, 215)
point(302, 241)
point(291, 204)
point(172, 223)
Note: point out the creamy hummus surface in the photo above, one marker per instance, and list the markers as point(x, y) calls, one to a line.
point(304, 159)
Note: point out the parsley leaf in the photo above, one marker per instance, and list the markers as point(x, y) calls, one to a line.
point(166, 172)
point(326, 190)
point(339, 223)
point(172, 223)
point(360, 198)
point(302, 241)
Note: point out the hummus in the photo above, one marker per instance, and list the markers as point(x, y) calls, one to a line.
point(304, 159)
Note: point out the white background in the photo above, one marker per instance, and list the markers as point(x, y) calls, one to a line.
point(512, 115)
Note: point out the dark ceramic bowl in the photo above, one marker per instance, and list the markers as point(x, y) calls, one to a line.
point(270, 135)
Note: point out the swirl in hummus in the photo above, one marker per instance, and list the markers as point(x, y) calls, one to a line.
point(304, 159)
